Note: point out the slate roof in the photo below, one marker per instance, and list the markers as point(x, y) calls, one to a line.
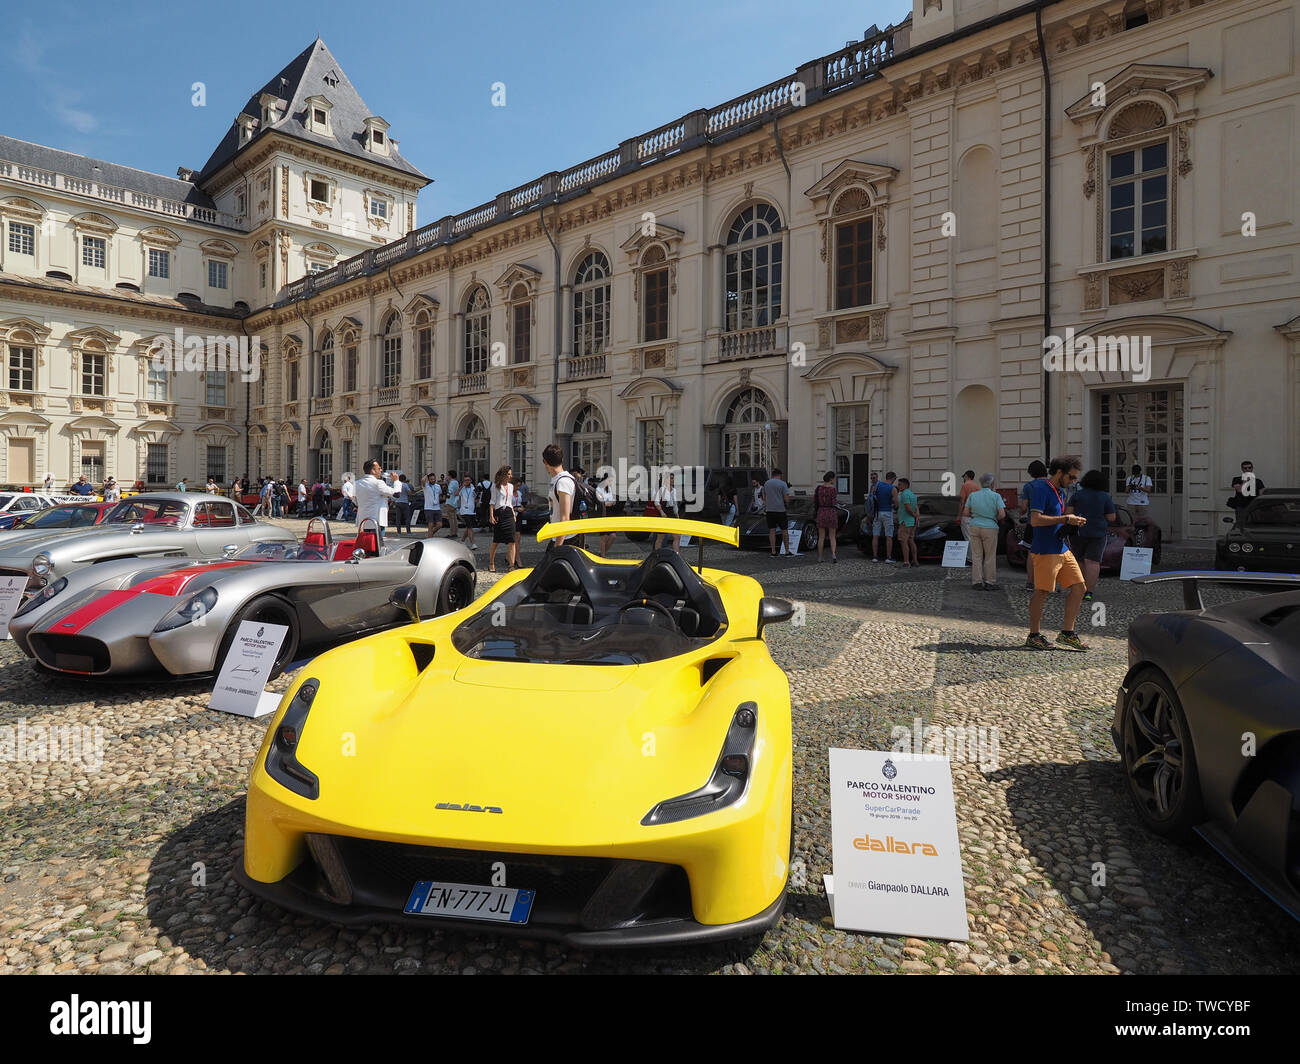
point(304, 77)
point(80, 166)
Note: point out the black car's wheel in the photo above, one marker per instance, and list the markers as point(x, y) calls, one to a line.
point(457, 590)
point(1158, 757)
point(266, 609)
point(808, 536)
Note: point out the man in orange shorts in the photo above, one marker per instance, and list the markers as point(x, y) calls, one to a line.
point(1050, 557)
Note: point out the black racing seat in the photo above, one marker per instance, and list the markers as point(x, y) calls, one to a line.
point(667, 580)
point(556, 591)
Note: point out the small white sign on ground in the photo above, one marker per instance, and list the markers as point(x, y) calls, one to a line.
point(1137, 562)
point(11, 597)
point(796, 534)
point(955, 552)
point(895, 851)
point(242, 679)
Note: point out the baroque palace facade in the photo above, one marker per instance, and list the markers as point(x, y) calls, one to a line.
point(842, 270)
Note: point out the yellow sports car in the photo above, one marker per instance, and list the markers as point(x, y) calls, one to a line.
point(596, 752)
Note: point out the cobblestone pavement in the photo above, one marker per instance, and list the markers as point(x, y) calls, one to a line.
point(128, 868)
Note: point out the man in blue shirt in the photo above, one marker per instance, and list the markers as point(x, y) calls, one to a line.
point(1050, 558)
point(83, 486)
point(886, 497)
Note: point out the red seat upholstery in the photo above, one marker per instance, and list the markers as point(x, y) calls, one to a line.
point(343, 549)
point(368, 541)
point(315, 539)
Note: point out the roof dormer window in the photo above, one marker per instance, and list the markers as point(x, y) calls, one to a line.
point(247, 125)
point(318, 115)
point(271, 105)
point(377, 135)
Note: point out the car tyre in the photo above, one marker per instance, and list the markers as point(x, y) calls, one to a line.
point(457, 590)
point(1158, 757)
point(266, 609)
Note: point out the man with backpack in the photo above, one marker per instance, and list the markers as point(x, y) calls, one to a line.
point(563, 487)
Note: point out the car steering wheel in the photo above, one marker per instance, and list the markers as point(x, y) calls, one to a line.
point(650, 604)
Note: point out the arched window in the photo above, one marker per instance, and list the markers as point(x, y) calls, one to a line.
point(521, 325)
point(591, 305)
point(390, 449)
point(753, 269)
point(748, 437)
point(391, 370)
point(590, 448)
point(474, 450)
point(325, 378)
point(477, 310)
point(94, 369)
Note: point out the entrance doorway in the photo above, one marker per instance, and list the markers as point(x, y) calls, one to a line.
point(1145, 427)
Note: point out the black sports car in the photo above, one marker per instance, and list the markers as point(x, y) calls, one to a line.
point(753, 527)
point(1207, 725)
point(1265, 535)
point(938, 520)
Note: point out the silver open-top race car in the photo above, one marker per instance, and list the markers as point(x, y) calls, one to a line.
point(179, 616)
point(159, 524)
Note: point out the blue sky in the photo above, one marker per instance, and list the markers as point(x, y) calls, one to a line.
point(113, 81)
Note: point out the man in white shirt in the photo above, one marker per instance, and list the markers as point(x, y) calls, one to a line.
point(373, 495)
point(302, 498)
point(432, 504)
point(112, 493)
point(1138, 485)
point(562, 487)
point(451, 502)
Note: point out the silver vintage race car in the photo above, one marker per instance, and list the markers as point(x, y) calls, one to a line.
point(156, 524)
point(180, 616)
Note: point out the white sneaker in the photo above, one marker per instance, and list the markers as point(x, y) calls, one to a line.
point(889, 561)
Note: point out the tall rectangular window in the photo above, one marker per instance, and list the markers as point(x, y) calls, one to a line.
point(424, 353)
point(217, 274)
point(22, 369)
point(94, 251)
point(651, 442)
point(155, 463)
point(392, 367)
point(327, 372)
point(655, 307)
point(261, 274)
point(351, 382)
point(291, 368)
point(22, 238)
point(92, 462)
point(1139, 201)
point(157, 384)
point(217, 463)
point(93, 374)
point(522, 334)
point(519, 452)
point(853, 261)
point(345, 451)
point(216, 389)
point(421, 456)
point(160, 263)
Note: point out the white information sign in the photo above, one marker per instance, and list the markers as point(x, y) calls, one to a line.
point(11, 596)
point(244, 673)
point(955, 552)
point(796, 534)
point(1137, 562)
point(894, 843)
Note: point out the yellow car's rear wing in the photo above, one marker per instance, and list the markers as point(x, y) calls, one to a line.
point(654, 525)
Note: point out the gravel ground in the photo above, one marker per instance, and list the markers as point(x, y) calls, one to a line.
point(127, 867)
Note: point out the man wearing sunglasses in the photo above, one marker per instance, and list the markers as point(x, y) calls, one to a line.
point(1050, 558)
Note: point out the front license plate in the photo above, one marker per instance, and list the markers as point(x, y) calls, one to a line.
point(505, 905)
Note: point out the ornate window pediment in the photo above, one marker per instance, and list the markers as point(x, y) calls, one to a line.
point(518, 273)
point(12, 326)
point(1169, 86)
point(219, 249)
point(22, 209)
point(422, 304)
point(95, 224)
point(851, 174)
point(645, 235)
point(93, 337)
point(291, 346)
point(157, 236)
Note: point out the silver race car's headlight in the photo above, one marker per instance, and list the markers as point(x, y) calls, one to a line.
point(42, 564)
point(41, 597)
point(192, 609)
point(1235, 548)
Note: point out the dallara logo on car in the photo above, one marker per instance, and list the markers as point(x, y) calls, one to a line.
point(469, 808)
point(892, 845)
